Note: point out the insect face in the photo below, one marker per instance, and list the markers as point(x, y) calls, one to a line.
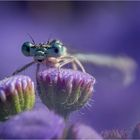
point(40, 54)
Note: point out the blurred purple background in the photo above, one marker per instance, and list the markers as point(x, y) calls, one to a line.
point(95, 27)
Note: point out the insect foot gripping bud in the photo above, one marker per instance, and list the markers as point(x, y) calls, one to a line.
point(64, 90)
point(17, 94)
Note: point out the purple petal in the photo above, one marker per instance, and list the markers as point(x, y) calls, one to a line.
point(35, 124)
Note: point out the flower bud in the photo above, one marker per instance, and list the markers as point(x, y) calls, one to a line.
point(82, 131)
point(17, 94)
point(64, 90)
point(136, 132)
point(114, 134)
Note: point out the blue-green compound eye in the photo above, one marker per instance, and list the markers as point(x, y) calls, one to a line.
point(26, 48)
point(56, 49)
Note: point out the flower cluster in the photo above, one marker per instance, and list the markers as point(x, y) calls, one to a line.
point(43, 124)
point(60, 90)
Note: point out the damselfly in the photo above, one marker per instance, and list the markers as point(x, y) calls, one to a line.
point(54, 54)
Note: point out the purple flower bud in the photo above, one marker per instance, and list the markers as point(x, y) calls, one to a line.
point(81, 131)
point(114, 134)
point(17, 94)
point(64, 90)
point(136, 132)
point(35, 124)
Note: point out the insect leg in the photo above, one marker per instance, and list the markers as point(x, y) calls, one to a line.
point(74, 60)
point(79, 64)
point(74, 66)
point(65, 62)
point(37, 70)
point(23, 68)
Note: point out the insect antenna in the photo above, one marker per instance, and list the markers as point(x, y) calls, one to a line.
point(31, 38)
point(49, 38)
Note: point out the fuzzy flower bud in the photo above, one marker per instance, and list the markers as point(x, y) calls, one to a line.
point(17, 94)
point(64, 90)
point(114, 134)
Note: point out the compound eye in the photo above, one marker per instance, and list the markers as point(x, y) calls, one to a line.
point(56, 50)
point(26, 48)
